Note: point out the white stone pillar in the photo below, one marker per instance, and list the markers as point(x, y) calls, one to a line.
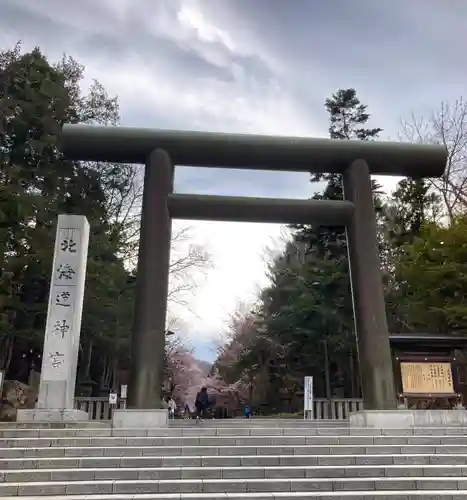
point(63, 327)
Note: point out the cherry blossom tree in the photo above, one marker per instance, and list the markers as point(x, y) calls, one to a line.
point(223, 395)
point(184, 374)
point(243, 361)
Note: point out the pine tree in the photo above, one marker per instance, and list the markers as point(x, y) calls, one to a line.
point(348, 118)
point(327, 246)
point(308, 300)
point(413, 203)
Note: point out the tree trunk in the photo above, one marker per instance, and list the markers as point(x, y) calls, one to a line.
point(85, 365)
point(352, 375)
point(114, 372)
point(6, 353)
point(104, 373)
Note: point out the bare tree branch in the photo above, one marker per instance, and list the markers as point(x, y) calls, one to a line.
point(189, 262)
point(447, 126)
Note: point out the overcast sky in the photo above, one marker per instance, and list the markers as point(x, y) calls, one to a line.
point(262, 66)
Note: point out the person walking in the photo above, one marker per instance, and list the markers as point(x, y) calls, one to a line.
point(172, 408)
point(201, 403)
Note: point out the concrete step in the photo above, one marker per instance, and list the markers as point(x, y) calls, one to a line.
point(253, 472)
point(194, 430)
point(43, 442)
point(311, 449)
point(260, 422)
point(56, 425)
point(231, 461)
point(247, 485)
point(240, 460)
point(302, 495)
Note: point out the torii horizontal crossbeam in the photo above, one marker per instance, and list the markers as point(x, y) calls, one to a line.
point(252, 152)
point(270, 210)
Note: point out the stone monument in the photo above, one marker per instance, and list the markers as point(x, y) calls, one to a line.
point(63, 327)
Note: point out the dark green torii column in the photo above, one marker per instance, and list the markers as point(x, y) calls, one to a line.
point(356, 160)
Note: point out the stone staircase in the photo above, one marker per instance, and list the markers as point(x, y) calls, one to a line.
point(219, 459)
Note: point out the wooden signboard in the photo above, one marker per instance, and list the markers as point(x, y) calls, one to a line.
point(427, 378)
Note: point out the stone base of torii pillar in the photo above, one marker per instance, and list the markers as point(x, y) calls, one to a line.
point(61, 341)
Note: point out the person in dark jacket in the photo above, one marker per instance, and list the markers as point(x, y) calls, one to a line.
point(201, 403)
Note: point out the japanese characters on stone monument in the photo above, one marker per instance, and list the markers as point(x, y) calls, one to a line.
point(61, 342)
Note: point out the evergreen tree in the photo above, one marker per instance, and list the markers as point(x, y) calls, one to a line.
point(308, 300)
point(348, 119)
point(432, 277)
point(310, 303)
point(412, 204)
point(327, 247)
point(37, 184)
point(411, 207)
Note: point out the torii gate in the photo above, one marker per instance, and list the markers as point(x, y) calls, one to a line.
point(161, 150)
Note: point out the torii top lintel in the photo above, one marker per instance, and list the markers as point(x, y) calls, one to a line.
point(253, 152)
